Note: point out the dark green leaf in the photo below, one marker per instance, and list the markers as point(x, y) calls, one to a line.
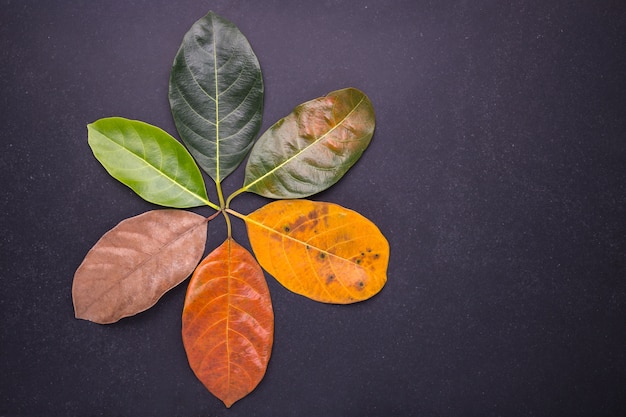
point(313, 147)
point(216, 95)
point(148, 160)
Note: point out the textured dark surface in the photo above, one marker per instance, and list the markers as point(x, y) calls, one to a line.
point(497, 172)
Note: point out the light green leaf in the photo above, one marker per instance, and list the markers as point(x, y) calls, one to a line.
point(216, 95)
point(148, 160)
point(312, 148)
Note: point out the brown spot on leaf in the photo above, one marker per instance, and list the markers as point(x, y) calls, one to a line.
point(301, 220)
point(330, 279)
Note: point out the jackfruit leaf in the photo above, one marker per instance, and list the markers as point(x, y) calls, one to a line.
point(216, 94)
point(320, 250)
point(228, 322)
point(148, 160)
point(312, 148)
point(136, 262)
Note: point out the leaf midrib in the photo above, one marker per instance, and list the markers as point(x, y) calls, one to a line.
point(217, 109)
point(302, 242)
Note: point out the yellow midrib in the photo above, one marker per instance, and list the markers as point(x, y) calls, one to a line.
point(217, 114)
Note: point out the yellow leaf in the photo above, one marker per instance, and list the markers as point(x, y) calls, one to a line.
point(320, 250)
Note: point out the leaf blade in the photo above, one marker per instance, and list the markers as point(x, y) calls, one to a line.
point(130, 268)
point(341, 256)
point(313, 147)
point(216, 94)
point(228, 322)
point(149, 161)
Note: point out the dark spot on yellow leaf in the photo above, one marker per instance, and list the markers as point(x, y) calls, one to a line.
point(376, 256)
point(304, 220)
point(358, 262)
point(330, 279)
point(322, 213)
point(369, 249)
point(287, 229)
point(322, 255)
point(360, 285)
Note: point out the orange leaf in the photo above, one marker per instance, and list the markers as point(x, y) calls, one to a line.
point(136, 262)
point(320, 250)
point(228, 322)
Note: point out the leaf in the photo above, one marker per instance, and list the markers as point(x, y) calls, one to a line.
point(148, 160)
point(216, 94)
point(312, 148)
point(136, 262)
point(320, 250)
point(228, 322)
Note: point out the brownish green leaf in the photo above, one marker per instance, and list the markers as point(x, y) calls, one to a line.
point(320, 250)
point(136, 262)
point(228, 322)
point(312, 148)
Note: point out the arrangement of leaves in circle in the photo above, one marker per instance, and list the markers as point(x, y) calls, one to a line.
point(319, 250)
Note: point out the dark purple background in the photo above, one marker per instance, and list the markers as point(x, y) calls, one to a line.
point(497, 173)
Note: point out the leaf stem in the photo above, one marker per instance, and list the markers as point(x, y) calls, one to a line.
point(235, 194)
point(234, 213)
point(213, 206)
point(229, 227)
point(223, 206)
point(220, 194)
point(214, 215)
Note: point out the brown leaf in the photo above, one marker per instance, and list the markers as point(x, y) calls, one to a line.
point(228, 322)
point(136, 262)
point(320, 250)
